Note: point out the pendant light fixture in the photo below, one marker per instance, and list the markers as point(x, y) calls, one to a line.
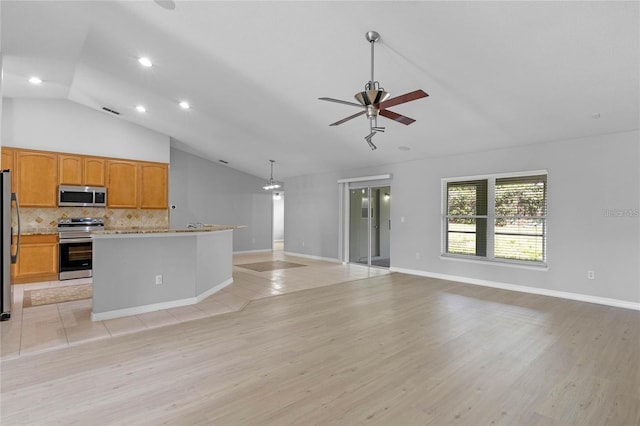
point(271, 183)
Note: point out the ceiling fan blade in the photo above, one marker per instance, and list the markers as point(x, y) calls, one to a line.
point(348, 118)
point(340, 102)
point(407, 97)
point(396, 117)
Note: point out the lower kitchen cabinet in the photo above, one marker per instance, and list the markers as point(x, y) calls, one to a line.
point(37, 259)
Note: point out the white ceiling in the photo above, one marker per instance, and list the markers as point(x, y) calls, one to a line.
point(499, 74)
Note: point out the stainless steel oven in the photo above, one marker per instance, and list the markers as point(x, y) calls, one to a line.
point(76, 246)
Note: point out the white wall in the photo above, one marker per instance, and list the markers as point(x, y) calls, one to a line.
point(311, 215)
point(64, 126)
point(587, 177)
point(207, 192)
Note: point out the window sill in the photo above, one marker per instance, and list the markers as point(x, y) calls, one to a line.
point(495, 262)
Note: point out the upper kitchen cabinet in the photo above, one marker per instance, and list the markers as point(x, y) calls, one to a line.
point(153, 185)
point(36, 178)
point(8, 163)
point(93, 171)
point(80, 170)
point(122, 184)
point(8, 155)
point(70, 169)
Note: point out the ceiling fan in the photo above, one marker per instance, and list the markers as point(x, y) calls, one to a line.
point(375, 101)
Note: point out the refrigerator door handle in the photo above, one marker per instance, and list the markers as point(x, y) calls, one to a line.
point(14, 257)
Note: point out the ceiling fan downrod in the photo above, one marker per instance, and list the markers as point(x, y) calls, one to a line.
point(373, 94)
point(372, 37)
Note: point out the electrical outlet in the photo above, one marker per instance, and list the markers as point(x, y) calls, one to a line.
point(158, 279)
point(591, 275)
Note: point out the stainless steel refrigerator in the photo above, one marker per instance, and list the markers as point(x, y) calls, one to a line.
point(8, 257)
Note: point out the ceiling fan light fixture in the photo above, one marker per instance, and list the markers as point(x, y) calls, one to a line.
point(371, 97)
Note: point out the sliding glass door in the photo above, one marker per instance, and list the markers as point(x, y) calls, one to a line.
point(370, 226)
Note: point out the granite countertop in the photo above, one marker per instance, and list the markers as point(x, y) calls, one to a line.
point(136, 230)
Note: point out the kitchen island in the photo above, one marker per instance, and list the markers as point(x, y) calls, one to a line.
point(148, 269)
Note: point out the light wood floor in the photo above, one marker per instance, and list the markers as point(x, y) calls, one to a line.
point(388, 350)
point(43, 328)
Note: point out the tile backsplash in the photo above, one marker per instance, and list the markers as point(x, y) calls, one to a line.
point(32, 218)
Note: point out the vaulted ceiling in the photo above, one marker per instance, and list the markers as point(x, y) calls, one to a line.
point(499, 74)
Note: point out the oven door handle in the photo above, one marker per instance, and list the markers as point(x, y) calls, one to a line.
point(75, 240)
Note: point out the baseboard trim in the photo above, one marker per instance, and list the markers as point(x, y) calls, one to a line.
point(253, 251)
point(524, 289)
point(135, 310)
point(309, 256)
point(213, 290)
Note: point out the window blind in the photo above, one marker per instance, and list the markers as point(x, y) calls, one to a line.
point(515, 218)
point(467, 218)
point(520, 218)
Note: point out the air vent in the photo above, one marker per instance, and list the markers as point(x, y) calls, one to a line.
point(111, 111)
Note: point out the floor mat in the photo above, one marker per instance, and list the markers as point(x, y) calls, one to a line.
point(47, 296)
point(269, 266)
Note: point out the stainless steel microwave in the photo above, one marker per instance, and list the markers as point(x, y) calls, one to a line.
point(82, 196)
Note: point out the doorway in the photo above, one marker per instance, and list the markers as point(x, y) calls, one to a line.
point(278, 221)
point(370, 226)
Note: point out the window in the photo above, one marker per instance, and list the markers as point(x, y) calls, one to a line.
point(497, 218)
point(467, 214)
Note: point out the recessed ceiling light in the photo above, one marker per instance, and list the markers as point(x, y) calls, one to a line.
point(145, 62)
point(166, 4)
point(35, 80)
point(141, 108)
point(184, 105)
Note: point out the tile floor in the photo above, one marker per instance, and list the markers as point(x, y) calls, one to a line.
point(48, 327)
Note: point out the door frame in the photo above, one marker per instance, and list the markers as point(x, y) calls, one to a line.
point(344, 186)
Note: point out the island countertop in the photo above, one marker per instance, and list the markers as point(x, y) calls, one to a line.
point(142, 230)
point(142, 270)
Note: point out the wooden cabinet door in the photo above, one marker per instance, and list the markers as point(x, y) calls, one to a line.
point(80, 170)
point(69, 169)
point(7, 158)
point(93, 171)
point(153, 185)
point(122, 184)
point(8, 163)
point(37, 259)
point(37, 178)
